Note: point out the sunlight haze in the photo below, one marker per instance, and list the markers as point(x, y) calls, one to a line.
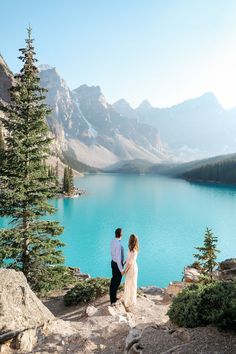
point(162, 51)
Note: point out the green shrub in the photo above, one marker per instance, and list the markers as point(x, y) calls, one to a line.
point(52, 278)
point(86, 291)
point(204, 304)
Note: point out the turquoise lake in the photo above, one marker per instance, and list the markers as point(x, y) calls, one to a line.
point(168, 215)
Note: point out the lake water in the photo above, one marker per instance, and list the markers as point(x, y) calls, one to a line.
point(169, 216)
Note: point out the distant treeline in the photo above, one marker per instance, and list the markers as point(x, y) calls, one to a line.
point(220, 169)
point(223, 171)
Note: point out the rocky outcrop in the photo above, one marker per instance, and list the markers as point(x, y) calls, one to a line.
point(24, 321)
point(28, 326)
point(104, 328)
point(20, 308)
point(227, 269)
point(191, 275)
point(6, 80)
point(99, 327)
point(93, 131)
point(168, 339)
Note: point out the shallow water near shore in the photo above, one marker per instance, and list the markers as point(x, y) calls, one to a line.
point(169, 216)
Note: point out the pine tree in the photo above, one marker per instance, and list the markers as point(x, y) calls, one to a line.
point(57, 174)
point(65, 180)
point(31, 243)
point(68, 180)
point(71, 180)
point(51, 172)
point(2, 147)
point(208, 253)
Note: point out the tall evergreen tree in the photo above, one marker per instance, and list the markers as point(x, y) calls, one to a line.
point(57, 174)
point(2, 147)
point(68, 180)
point(31, 243)
point(71, 180)
point(65, 180)
point(208, 253)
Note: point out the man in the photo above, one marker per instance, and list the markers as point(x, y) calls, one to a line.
point(117, 263)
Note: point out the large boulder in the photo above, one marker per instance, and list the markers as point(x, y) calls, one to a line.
point(20, 309)
point(191, 275)
point(228, 264)
point(227, 269)
point(174, 288)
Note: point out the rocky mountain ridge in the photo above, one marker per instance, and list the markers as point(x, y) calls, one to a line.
point(91, 134)
point(194, 129)
point(91, 130)
point(87, 129)
point(6, 80)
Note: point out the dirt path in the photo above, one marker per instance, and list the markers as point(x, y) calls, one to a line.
point(103, 329)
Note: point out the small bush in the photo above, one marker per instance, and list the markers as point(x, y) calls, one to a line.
point(86, 291)
point(51, 278)
point(204, 304)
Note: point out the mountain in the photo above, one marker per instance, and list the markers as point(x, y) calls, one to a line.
point(218, 169)
point(194, 129)
point(130, 167)
point(89, 133)
point(180, 169)
point(92, 134)
point(6, 80)
point(124, 108)
point(88, 127)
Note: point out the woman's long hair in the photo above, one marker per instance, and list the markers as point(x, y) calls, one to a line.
point(133, 243)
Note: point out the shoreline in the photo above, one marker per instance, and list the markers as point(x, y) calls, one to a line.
point(76, 193)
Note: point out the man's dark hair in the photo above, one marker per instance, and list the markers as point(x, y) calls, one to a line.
point(118, 232)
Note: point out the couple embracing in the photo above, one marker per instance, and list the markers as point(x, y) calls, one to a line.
point(121, 267)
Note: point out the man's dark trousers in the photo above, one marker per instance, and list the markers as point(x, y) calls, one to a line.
point(115, 281)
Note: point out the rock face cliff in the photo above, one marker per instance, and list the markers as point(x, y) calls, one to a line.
point(196, 128)
point(91, 130)
point(28, 326)
point(6, 80)
point(88, 131)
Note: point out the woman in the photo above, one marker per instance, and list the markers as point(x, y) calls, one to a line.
point(131, 272)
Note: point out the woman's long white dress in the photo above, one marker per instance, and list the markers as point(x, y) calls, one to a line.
point(130, 293)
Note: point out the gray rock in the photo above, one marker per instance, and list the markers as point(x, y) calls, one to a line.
point(26, 340)
point(6, 80)
point(227, 269)
point(152, 290)
point(132, 338)
point(90, 311)
point(115, 328)
point(182, 334)
point(191, 275)
point(228, 264)
point(20, 308)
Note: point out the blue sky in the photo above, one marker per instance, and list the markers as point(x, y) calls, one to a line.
point(162, 50)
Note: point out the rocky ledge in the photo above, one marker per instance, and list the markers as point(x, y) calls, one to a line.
point(30, 326)
point(75, 194)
